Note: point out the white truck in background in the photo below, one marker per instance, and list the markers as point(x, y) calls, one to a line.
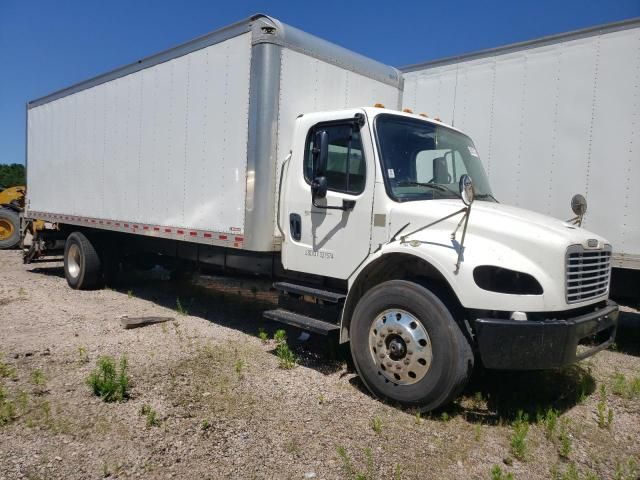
point(553, 117)
point(254, 149)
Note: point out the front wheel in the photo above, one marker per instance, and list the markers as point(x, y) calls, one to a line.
point(407, 347)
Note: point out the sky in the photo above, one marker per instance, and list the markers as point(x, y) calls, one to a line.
point(46, 45)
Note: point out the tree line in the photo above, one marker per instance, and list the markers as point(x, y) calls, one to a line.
point(11, 175)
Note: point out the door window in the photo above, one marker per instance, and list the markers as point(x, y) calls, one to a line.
point(345, 164)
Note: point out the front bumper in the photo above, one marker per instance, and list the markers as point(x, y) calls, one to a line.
point(534, 345)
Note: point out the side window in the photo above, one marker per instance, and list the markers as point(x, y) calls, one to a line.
point(345, 165)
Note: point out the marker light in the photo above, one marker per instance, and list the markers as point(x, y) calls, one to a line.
point(424, 115)
point(379, 105)
point(407, 110)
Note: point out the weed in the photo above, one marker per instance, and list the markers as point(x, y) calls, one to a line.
point(604, 421)
point(478, 401)
point(107, 382)
point(369, 460)
point(350, 471)
point(262, 335)
point(497, 474)
point(627, 470)
point(347, 464)
point(6, 370)
point(205, 425)
point(397, 473)
point(477, 432)
point(23, 400)
point(130, 293)
point(550, 421)
point(283, 352)
point(180, 309)
point(445, 417)
point(7, 408)
point(82, 355)
point(418, 418)
point(625, 388)
point(239, 367)
point(38, 378)
point(151, 415)
point(519, 436)
point(376, 424)
point(292, 446)
point(280, 336)
point(321, 399)
point(619, 385)
point(565, 441)
point(571, 473)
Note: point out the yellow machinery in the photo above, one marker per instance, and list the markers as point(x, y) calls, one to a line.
point(11, 207)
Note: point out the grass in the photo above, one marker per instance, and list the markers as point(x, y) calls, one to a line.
point(263, 335)
point(151, 415)
point(205, 425)
point(550, 421)
point(180, 309)
point(82, 355)
point(6, 370)
point(564, 449)
point(7, 408)
point(498, 474)
point(622, 387)
point(376, 425)
point(518, 440)
point(368, 474)
point(283, 352)
point(239, 367)
point(38, 378)
point(107, 382)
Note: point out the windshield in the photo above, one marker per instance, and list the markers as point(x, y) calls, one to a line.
point(423, 161)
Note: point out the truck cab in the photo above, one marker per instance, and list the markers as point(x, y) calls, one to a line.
point(437, 272)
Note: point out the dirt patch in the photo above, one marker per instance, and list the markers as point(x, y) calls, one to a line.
point(208, 399)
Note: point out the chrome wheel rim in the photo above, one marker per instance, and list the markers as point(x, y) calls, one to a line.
point(73, 260)
point(400, 347)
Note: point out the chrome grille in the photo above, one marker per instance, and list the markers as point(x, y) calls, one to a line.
point(587, 273)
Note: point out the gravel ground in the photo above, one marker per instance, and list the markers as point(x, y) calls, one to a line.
point(224, 409)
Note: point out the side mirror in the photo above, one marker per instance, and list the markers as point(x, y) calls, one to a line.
point(320, 153)
point(319, 188)
point(467, 193)
point(579, 205)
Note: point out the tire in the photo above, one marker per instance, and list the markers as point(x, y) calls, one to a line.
point(437, 360)
point(82, 265)
point(9, 228)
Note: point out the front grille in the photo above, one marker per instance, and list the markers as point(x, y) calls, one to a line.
point(587, 273)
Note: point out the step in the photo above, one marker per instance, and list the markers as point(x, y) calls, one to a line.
point(301, 321)
point(324, 295)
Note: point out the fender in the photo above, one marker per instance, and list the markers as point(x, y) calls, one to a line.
point(392, 261)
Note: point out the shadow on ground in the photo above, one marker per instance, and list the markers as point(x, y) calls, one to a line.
point(628, 334)
point(491, 397)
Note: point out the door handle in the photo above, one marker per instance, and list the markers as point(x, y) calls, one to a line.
point(295, 226)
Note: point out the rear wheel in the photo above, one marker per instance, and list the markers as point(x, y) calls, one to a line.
point(82, 266)
point(9, 228)
point(407, 347)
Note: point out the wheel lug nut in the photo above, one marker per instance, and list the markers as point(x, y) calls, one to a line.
point(398, 367)
point(406, 361)
point(409, 352)
point(380, 344)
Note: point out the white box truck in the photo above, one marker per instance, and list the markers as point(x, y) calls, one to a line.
point(553, 117)
point(256, 149)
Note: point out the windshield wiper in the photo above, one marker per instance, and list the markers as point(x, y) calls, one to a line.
point(486, 195)
point(434, 186)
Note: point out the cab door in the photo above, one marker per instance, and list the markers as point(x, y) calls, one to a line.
point(332, 237)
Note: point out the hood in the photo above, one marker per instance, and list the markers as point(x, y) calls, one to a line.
point(492, 220)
